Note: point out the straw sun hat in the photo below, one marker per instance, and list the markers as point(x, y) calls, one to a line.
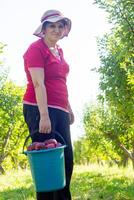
point(53, 16)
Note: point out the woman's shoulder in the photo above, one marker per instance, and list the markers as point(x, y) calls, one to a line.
point(36, 44)
point(35, 48)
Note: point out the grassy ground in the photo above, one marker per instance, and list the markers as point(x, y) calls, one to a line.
point(103, 183)
point(88, 183)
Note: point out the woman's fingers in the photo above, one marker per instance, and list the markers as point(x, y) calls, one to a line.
point(45, 126)
point(71, 117)
point(44, 130)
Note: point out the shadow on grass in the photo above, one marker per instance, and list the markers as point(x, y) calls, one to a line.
point(95, 186)
point(85, 186)
point(18, 194)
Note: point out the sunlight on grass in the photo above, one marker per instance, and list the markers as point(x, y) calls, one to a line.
point(13, 179)
point(92, 182)
point(96, 182)
point(17, 185)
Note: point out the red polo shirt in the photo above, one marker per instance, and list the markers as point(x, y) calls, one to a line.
point(55, 70)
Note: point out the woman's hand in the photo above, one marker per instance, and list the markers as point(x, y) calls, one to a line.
point(71, 117)
point(45, 124)
point(71, 114)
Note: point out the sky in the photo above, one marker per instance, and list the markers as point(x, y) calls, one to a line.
point(18, 21)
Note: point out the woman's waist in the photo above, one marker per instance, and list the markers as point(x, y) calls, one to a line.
point(49, 106)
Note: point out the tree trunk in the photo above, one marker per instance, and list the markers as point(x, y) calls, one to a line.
point(2, 171)
point(133, 163)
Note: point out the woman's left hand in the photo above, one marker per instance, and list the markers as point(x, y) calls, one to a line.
point(71, 117)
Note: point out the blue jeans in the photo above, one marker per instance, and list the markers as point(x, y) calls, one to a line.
point(60, 123)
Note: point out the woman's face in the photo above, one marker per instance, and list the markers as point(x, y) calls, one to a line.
point(54, 31)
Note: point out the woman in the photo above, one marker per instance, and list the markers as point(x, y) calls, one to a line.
point(45, 104)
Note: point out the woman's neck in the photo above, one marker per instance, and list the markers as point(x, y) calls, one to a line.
point(50, 43)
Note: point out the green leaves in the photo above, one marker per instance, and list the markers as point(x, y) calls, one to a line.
point(12, 125)
point(112, 125)
point(117, 72)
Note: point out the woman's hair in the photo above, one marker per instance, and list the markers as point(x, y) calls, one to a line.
point(46, 23)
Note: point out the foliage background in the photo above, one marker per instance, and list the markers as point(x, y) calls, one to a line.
point(109, 123)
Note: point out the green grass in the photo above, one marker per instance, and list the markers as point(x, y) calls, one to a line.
point(88, 183)
point(102, 183)
point(17, 186)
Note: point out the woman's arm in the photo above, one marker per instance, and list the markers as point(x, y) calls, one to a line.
point(37, 75)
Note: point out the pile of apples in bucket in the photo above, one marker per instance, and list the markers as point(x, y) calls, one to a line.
point(47, 144)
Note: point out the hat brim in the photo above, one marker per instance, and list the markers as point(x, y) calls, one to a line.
point(38, 32)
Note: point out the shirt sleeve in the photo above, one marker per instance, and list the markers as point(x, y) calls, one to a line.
point(34, 58)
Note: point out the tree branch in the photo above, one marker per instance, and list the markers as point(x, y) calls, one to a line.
point(125, 18)
point(128, 153)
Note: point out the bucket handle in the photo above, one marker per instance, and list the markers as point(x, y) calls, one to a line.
point(55, 132)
